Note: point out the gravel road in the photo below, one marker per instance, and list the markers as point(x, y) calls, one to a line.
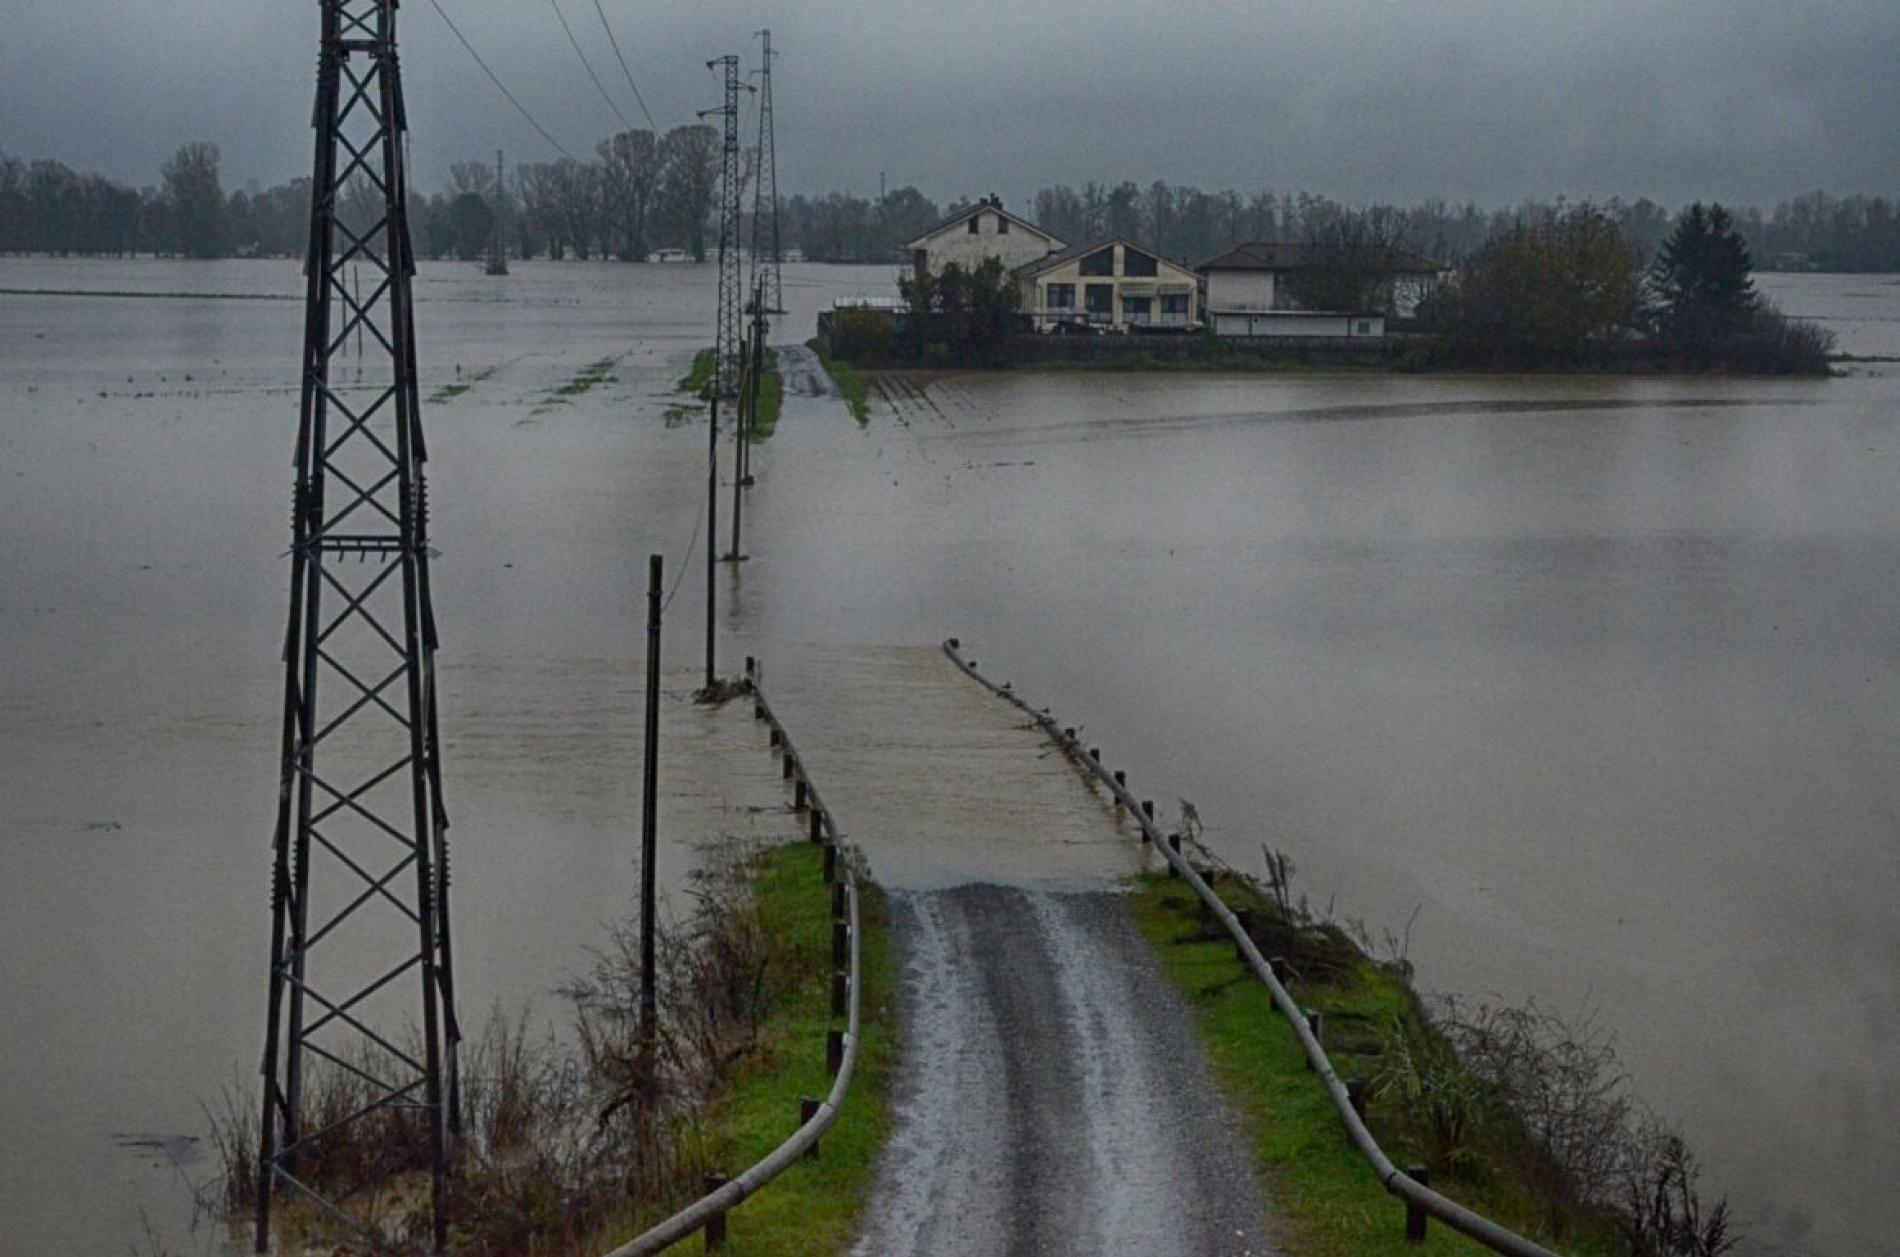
point(1053, 1098)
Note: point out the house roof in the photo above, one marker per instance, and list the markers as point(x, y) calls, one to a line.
point(991, 204)
point(1261, 256)
point(1029, 270)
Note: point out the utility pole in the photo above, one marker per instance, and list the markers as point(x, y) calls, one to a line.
point(360, 851)
point(766, 251)
point(712, 540)
point(498, 242)
point(649, 817)
point(726, 339)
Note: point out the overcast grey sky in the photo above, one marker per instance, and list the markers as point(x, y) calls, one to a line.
point(1492, 100)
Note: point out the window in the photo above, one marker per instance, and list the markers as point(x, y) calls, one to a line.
point(1365, 328)
point(1137, 309)
point(1174, 303)
point(1100, 263)
point(1061, 296)
point(1137, 264)
point(1002, 225)
point(1100, 298)
point(971, 227)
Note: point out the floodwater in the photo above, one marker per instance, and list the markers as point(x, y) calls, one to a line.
point(1597, 676)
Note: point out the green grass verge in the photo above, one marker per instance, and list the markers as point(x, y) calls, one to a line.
point(696, 380)
point(771, 398)
point(1321, 1191)
point(846, 377)
point(814, 1207)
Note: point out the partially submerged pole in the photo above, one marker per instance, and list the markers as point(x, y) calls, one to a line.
point(712, 533)
point(649, 811)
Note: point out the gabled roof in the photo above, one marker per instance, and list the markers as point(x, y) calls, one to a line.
point(1259, 256)
point(1029, 270)
point(993, 207)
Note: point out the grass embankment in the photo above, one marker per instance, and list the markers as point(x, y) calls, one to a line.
point(813, 1207)
point(698, 382)
point(1322, 1191)
point(846, 377)
point(700, 377)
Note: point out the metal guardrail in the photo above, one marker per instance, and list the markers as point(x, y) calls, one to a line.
point(1420, 1200)
point(708, 1213)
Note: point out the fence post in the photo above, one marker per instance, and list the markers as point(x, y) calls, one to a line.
point(1415, 1216)
point(808, 1109)
point(715, 1225)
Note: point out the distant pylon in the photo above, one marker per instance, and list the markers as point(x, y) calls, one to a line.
point(361, 997)
point(498, 237)
point(726, 339)
point(766, 252)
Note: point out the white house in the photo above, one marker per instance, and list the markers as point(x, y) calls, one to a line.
point(1248, 293)
point(983, 230)
point(1108, 285)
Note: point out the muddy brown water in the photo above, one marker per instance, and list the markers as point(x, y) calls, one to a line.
point(1599, 676)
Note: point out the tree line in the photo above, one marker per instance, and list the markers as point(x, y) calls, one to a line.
point(644, 191)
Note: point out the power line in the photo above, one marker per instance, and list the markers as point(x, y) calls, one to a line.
point(499, 85)
point(638, 99)
point(585, 65)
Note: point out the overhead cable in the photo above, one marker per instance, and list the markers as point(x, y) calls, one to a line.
point(499, 85)
point(638, 99)
point(587, 66)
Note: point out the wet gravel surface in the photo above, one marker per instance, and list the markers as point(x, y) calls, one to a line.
point(1053, 1098)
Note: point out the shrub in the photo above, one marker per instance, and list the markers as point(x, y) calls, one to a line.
point(862, 336)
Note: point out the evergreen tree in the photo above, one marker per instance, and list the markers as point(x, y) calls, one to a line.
point(1703, 293)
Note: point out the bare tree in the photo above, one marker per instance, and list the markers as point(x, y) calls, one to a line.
point(629, 179)
point(197, 199)
point(689, 172)
point(576, 194)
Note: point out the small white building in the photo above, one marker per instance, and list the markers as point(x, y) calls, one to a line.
point(1108, 285)
point(1248, 292)
point(984, 230)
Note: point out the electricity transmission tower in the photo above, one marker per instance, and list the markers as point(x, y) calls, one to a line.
point(726, 342)
point(766, 253)
point(362, 1000)
point(498, 237)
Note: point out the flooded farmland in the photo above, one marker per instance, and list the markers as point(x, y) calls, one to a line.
point(1598, 677)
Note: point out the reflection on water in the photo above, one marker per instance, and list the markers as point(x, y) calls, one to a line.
point(1599, 674)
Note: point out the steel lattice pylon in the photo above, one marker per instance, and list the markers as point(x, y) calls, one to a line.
point(726, 341)
point(766, 250)
point(360, 919)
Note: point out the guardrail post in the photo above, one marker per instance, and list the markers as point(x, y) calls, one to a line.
point(1245, 917)
point(777, 735)
point(840, 992)
point(789, 764)
point(831, 864)
point(1148, 813)
point(715, 1225)
point(837, 901)
point(1356, 1096)
point(834, 1050)
point(1281, 973)
point(1121, 778)
point(1095, 753)
point(840, 944)
point(1415, 1216)
point(817, 825)
point(1068, 733)
point(798, 795)
point(1174, 845)
point(808, 1109)
point(1316, 1022)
